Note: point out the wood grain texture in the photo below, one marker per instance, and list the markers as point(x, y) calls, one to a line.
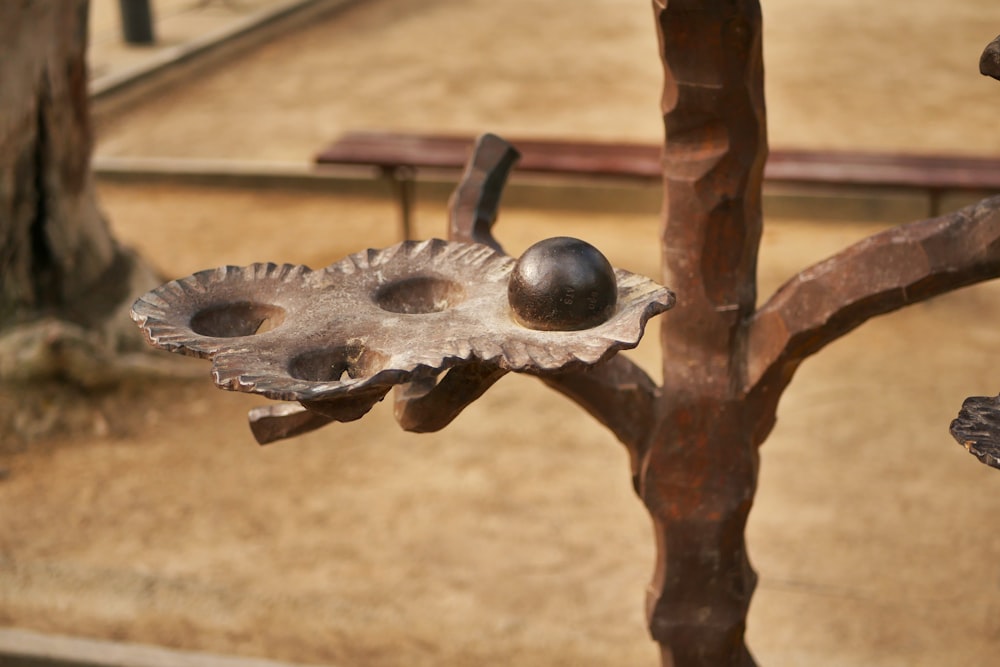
point(700, 472)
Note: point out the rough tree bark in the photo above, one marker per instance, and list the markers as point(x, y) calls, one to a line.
point(66, 284)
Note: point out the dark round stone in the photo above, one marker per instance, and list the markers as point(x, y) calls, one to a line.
point(562, 284)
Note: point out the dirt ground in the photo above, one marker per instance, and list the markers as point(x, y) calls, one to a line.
point(513, 536)
point(840, 75)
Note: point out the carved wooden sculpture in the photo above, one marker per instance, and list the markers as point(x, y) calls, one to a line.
point(693, 442)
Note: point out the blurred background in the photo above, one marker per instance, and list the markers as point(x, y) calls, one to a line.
point(513, 536)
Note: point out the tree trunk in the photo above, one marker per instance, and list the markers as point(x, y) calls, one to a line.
point(58, 259)
point(700, 472)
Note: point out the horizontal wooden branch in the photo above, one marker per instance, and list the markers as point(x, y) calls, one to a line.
point(620, 395)
point(882, 273)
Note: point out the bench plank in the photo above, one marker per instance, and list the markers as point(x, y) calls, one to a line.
point(390, 151)
point(396, 150)
point(927, 172)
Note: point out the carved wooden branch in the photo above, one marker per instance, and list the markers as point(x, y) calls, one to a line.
point(473, 205)
point(620, 395)
point(880, 274)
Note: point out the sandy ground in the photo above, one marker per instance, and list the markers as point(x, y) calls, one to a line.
point(513, 536)
point(843, 74)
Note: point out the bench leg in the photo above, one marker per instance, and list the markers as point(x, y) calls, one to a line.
point(935, 195)
point(404, 185)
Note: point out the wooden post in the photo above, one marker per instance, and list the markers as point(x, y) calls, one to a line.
point(700, 472)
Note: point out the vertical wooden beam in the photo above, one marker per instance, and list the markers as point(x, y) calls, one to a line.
point(699, 475)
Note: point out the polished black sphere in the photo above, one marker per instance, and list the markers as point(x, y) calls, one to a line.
point(562, 284)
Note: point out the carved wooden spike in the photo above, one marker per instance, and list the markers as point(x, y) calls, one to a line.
point(474, 203)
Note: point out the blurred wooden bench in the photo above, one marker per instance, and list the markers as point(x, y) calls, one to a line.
point(934, 175)
point(399, 155)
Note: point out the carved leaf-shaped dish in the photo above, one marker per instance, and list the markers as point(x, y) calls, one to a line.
point(375, 319)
